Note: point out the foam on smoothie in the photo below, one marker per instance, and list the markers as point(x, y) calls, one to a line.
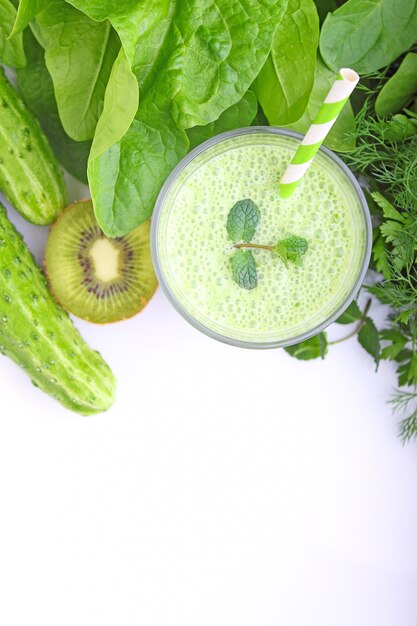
point(194, 249)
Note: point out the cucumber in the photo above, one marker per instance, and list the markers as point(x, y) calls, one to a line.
point(40, 337)
point(30, 176)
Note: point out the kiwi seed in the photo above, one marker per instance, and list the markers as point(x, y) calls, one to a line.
point(94, 277)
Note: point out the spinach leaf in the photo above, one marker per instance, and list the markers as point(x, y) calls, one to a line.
point(341, 136)
point(37, 90)
point(125, 179)
point(79, 54)
point(284, 84)
point(237, 116)
point(11, 50)
point(399, 89)
point(121, 103)
point(142, 27)
point(26, 11)
point(260, 118)
point(368, 35)
point(324, 7)
point(210, 55)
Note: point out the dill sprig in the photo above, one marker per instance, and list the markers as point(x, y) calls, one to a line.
point(386, 152)
point(402, 403)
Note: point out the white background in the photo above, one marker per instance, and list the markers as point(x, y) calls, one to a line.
point(225, 488)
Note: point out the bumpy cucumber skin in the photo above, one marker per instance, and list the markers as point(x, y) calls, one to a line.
point(40, 337)
point(30, 176)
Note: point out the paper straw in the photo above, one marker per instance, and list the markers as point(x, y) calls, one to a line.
point(334, 102)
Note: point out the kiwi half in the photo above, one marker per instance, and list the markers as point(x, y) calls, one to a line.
point(94, 277)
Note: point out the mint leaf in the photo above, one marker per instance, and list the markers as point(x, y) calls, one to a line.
point(352, 314)
point(313, 348)
point(242, 220)
point(368, 337)
point(244, 269)
point(291, 249)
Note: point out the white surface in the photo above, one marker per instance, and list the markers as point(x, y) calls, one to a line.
point(225, 488)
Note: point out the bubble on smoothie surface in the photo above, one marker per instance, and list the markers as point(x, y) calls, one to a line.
point(195, 249)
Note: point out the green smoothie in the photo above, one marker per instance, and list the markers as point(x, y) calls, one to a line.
point(193, 249)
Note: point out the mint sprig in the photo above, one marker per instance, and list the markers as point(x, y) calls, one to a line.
point(242, 221)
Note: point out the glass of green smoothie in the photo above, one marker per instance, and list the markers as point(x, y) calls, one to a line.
point(192, 248)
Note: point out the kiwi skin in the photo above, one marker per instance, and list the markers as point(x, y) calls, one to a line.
point(142, 300)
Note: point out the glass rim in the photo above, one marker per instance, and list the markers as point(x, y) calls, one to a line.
point(274, 130)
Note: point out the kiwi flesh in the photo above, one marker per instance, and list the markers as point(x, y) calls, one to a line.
point(94, 277)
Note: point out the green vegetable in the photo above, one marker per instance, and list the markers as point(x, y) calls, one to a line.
point(11, 50)
point(368, 34)
point(385, 155)
point(352, 314)
point(368, 337)
point(208, 58)
point(285, 82)
point(399, 89)
point(37, 90)
point(312, 348)
point(40, 337)
point(79, 54)
point(120, 105)
point(242, 220)
point(26, 12)
point(390, 162)
point(340, 137)
point(244, 269)
point(237, 116)
point(30, 176)
point(396, 343)
point(141, 27)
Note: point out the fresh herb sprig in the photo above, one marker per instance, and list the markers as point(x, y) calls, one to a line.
point(242, 222)
point(385, 157)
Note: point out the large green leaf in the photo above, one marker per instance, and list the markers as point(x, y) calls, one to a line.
point(341, 136)
point(399, 89)
point(208, 58)
point(141, 26)
point(36, 88)
point(368, 34)
point(284, 84)
point(11, 50)
point(79, 54)
point(126, 178)
point(237, 116)
point(26, 11)
point(121, 103)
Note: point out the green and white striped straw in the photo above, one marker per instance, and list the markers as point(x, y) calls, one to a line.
point(334, 102)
